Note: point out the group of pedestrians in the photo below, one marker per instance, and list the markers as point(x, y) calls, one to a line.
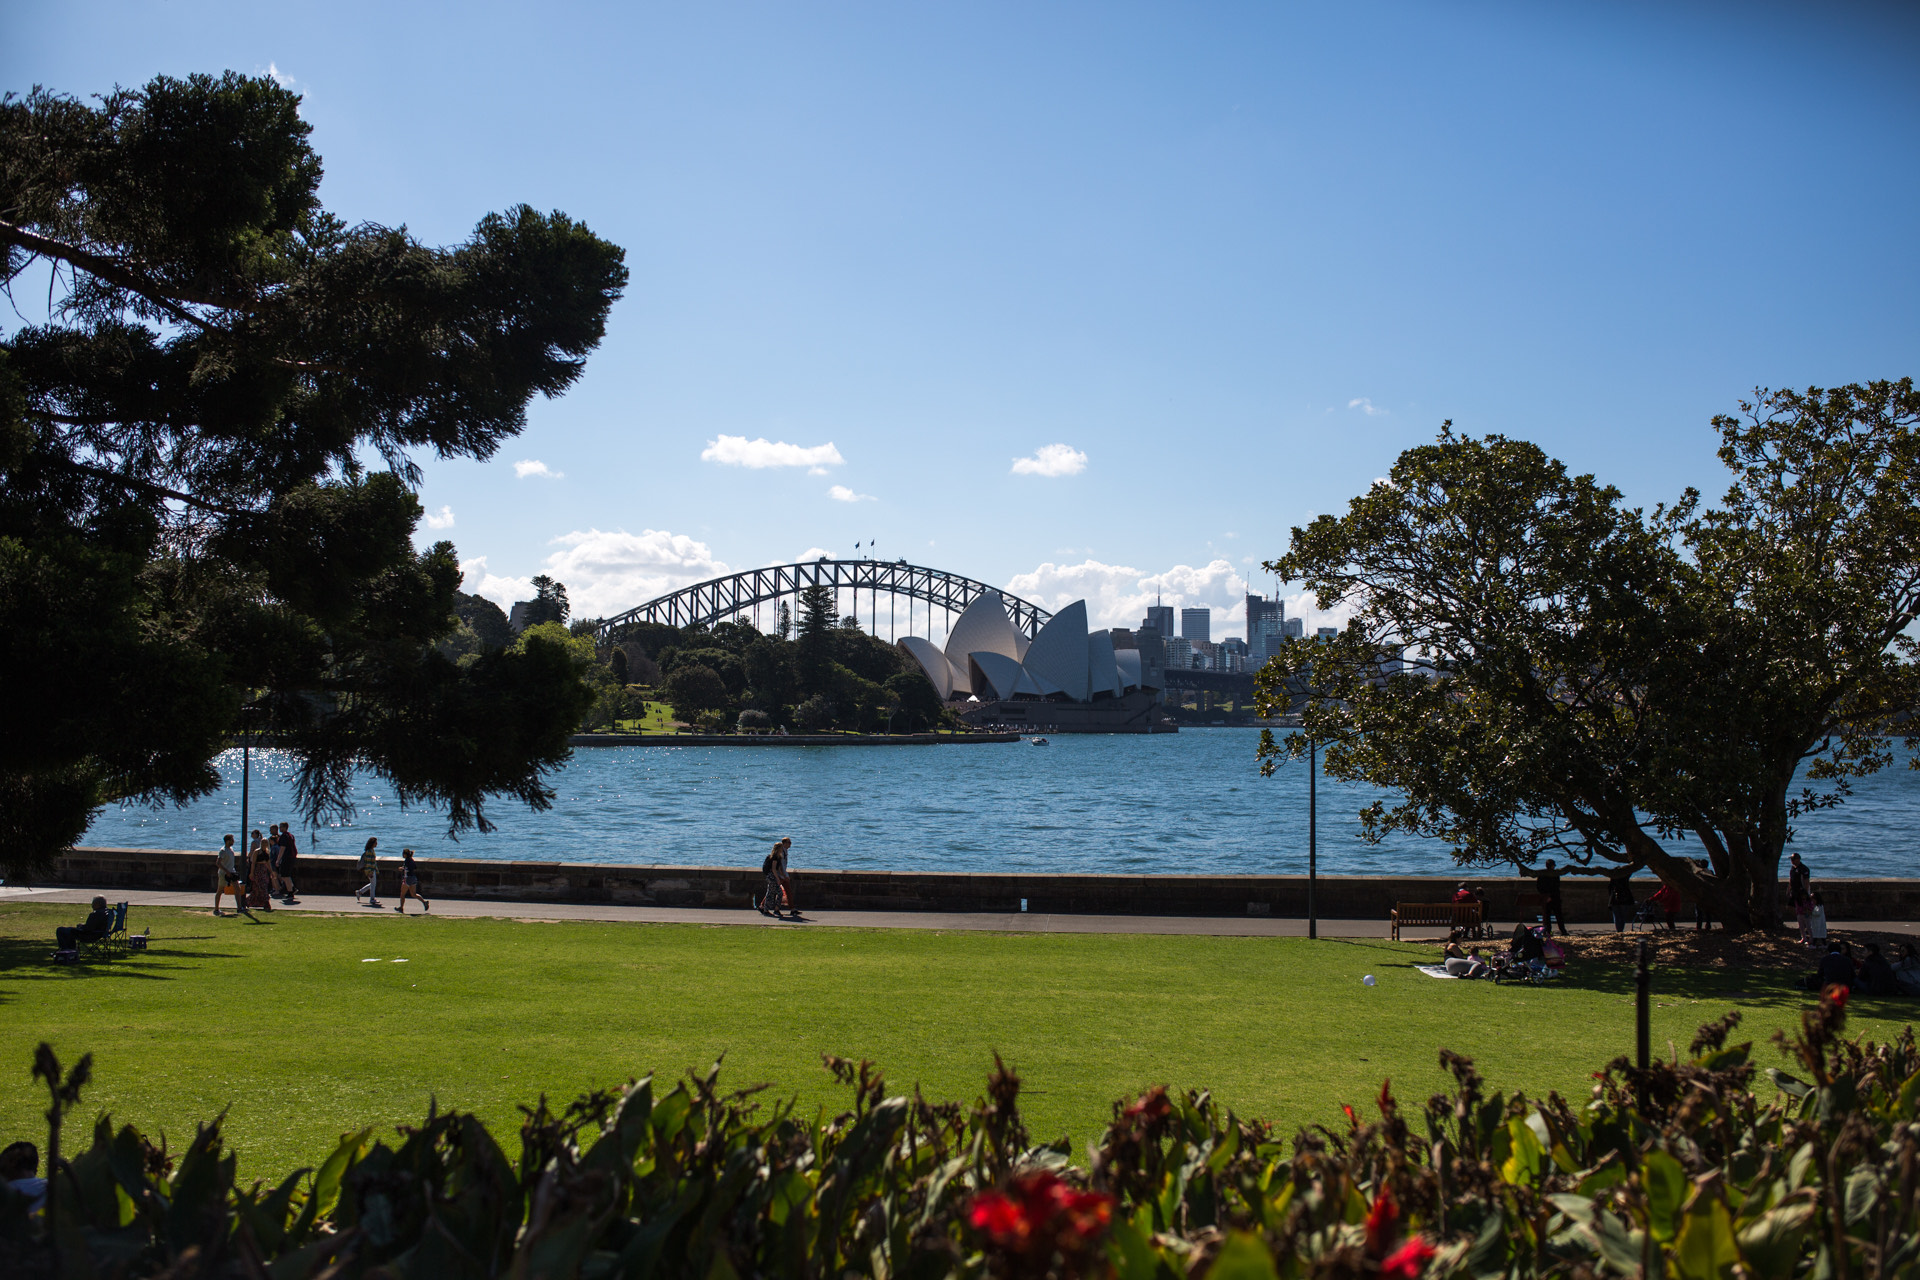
point(409, 878)
point(255, 878)
point(265, 873)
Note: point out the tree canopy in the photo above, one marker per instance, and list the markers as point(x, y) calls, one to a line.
point(191, 541)
point(1618, 687)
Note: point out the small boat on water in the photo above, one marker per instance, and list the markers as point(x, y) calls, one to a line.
point(1039, 742)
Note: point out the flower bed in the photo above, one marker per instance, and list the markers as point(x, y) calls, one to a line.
point(1680, 1169)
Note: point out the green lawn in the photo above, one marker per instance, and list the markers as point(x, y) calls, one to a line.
point(655, 717)
point(284, 1023)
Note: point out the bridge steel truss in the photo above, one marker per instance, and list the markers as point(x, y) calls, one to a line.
point(740, 594)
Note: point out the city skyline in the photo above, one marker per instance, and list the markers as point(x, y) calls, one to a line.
point(1095, 303)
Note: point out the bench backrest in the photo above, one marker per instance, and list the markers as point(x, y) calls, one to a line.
point(1437, 912)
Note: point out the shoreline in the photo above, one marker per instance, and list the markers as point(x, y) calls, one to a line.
point(1013, 893)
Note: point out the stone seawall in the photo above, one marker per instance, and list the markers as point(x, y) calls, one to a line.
point(1338, 897)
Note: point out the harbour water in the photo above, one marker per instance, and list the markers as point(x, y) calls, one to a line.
point(1186, 803)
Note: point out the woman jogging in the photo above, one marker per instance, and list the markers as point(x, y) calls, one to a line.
point(410, 883)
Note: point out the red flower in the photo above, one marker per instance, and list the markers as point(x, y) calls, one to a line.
point(1153, 1105)
point(1837, 996)
point(1406, 1262)
point(1383, 1223)
point(1043, 1216)
point(1352, 1119)
point(1000, 1220)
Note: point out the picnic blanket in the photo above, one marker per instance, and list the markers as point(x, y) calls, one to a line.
point(1435, 971)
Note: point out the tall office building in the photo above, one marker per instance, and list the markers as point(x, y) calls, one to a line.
point(1264, 618)
point(1160, 618)
point(1294, 627)
point(1196, 624)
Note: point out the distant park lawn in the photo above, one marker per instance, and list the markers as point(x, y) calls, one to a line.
point(655, 717)
point(303, 1026)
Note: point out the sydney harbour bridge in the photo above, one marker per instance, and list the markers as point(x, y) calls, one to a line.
point(912, 591)
point(857, 586)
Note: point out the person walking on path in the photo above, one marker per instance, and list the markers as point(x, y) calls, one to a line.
point(260, 879)
point(275, 887)
point(768, 903)
point(1551, 910)
point(410, 883)
point(1620, 898)
point(1667, 899)
point(785, 875)
point(370, 868)
point(226, 879)
point(284, 856)
point(1800, 894)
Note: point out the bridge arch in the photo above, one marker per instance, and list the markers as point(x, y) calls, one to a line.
point(737, 594)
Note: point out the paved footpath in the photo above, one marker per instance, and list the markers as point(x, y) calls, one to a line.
point(1001, 922)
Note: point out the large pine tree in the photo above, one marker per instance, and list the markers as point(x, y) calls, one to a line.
point(189, 540)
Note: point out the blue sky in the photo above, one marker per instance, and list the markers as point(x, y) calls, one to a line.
point(1226, 261)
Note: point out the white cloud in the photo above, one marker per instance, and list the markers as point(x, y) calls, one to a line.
point(738, 451)
point(1051, 460)
point(534, 467)
point(840, 493)
point(811, 554)
point(280, 77)
point(441, 519)
point(475, 580)
point(605, 572)
point(608, 572)
point(1365, 406)
point(1118, 595)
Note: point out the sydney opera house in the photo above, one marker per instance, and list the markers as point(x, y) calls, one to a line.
point(1066, 679)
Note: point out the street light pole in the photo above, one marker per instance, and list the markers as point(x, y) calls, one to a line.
point(1313, 835)
point(246, 770)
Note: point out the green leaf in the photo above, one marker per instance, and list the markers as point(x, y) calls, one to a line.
point(1522, 1167)
point(1129, 1251)
point(1863, 1192)
point(1770, 1244)
point(1799, 1167)
point(1910, 1096)
point(1706, 1249)
point(1666, 1186)
point(1623, 1248)
point(1243, 1257)
point(1837, 1099)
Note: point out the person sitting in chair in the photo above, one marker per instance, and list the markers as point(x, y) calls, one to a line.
point(96, 926)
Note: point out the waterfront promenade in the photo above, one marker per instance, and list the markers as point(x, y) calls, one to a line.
point(936, 921)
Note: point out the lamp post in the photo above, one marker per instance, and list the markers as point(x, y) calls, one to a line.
point(1313, 835)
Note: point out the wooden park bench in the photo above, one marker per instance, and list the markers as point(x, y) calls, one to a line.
point(1434, 915)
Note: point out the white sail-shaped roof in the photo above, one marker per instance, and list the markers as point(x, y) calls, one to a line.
point(1128, 660)
point(1103, 673)
point(933, 662)
point(1003, 676)
point(1058, 655)
point(983, 627)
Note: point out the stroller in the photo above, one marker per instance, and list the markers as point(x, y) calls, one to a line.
point(1536, 960)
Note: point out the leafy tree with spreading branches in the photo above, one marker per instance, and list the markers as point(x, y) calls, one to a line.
point(188, 527)
point(1620, 688)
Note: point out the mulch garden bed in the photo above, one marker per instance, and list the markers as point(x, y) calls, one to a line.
point(1713, 949)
